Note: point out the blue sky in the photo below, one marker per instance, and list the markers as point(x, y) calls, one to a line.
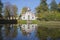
point(32, 4)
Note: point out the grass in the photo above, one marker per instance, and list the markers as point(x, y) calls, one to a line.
point(25, 22)
point(35, 21)
point(22, 21)
point(50, 24)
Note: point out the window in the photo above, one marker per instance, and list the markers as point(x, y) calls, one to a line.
point(32, 17)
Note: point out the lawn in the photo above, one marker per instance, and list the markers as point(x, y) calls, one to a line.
point(50, 24)
point(25, 22)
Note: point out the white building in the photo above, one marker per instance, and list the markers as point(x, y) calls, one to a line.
point(28, 15)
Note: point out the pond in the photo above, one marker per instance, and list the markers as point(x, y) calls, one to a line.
point(28, 32)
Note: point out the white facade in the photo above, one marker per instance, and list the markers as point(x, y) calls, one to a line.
point(28, 16)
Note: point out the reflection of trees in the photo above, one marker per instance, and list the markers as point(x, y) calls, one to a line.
point(43, 33)
point(14, 34)
point(1, 35)
point(10, 31)
point(7, 29)
point(1, 38)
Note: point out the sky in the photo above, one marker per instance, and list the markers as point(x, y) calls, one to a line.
point(32, 4)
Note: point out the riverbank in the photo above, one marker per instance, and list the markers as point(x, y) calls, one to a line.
point(49, 24)
point(25, 22)
point(3, 21)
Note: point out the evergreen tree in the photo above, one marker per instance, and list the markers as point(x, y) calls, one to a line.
point(53, 5)
point(59, 7)
point(42, 7)
point(1, 5)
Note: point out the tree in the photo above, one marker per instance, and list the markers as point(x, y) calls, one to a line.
point(14, 11)
point(24, 9)
point(1, 6)
point(7, 11)
point(53, 5)
point(10, 11)
point(59, 7)
point(42, 7)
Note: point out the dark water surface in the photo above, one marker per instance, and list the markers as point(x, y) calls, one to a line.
point(28, 32)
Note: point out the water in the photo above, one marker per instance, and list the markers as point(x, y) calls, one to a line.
point(28, 32)
point(18, 32)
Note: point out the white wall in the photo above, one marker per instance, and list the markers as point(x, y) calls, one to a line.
point(31, 16)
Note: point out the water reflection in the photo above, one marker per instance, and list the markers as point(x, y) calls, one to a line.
point(1, 38)
point(28, 31)
point(16, 32)
point(9, 32)
point(45, 33)
point(28, 28)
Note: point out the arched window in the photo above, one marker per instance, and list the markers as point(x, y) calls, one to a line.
point(32, 17)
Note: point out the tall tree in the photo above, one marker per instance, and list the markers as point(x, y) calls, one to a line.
point(10, 11)
point(1, 6)
point(14, 9)
point(53, 5)
point(59, 7)
point(42, 7)
point(7, 11)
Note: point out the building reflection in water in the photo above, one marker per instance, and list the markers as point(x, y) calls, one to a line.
point(16, 32)
point(28, 28)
